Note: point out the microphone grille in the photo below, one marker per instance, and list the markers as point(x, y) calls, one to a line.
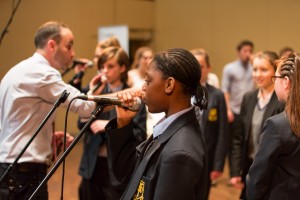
point(90, 63)
point(137, 106)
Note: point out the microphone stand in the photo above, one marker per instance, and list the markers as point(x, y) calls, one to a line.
point(94, 115)
point(62, 99)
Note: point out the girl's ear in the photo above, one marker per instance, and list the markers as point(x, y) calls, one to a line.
point(286, 83)
point(169, 85)
point(123, 68)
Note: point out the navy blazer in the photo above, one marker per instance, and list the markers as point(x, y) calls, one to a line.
point(174, 166)
point(215, 127)
point(275, 172)
point(242, 133)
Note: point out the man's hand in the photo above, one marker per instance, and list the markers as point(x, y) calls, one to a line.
point(59, 135)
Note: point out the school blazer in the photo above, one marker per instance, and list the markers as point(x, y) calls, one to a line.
point(215, 127)
point(242, 133)
point(275, 172)
point(174, 166)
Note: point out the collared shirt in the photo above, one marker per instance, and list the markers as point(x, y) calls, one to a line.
point(27, 93)
point(263, 101)
point(236, 81)
point(163, 124)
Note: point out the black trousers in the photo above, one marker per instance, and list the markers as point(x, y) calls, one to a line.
point(22, 181)
point(233, 126)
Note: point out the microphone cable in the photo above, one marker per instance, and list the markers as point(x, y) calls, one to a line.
point(64, 149)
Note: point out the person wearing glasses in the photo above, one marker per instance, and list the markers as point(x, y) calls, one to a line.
point(275, 172)
point(256, 107)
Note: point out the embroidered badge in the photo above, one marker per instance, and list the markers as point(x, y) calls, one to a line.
point(213, 115)
point(140, 191)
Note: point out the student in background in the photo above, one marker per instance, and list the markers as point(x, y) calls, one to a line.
point(213, 121)
point(275, 172)
point(257, 106)
point(98, 181)
point(236, 81)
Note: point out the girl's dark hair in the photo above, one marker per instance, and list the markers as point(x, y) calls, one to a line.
point(289, 67)
point(120, 55)
point(184, 67)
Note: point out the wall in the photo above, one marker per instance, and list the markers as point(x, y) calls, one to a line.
point(219, 25)
point(215, 25)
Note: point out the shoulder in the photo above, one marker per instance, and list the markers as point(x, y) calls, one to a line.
point(231, 65)
point(188, 138)
point(277, 130)
point(251, 94)
point(212, 88)
point(213, 91)
point(277, 125)
point(279, 120)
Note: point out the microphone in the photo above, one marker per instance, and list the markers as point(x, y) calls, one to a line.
point(88, 63)
point(76, 62)
point(112, 101)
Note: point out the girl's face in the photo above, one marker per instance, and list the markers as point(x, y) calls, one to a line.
point(262, 73)
point(113, 71)
point(281, 85)
point(204, 68)
point(145, 59)
point(154, 88)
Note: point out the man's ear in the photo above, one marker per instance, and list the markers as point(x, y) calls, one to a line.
point(51, 45)
point(169, 85)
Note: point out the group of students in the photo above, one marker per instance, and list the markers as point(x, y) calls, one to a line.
point(188, 145)
point(251, 152)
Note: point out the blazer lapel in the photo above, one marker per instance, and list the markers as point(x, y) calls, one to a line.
point(251, 103)
point(148, 150)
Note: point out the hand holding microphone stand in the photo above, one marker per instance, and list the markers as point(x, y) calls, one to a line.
point(62, 99)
